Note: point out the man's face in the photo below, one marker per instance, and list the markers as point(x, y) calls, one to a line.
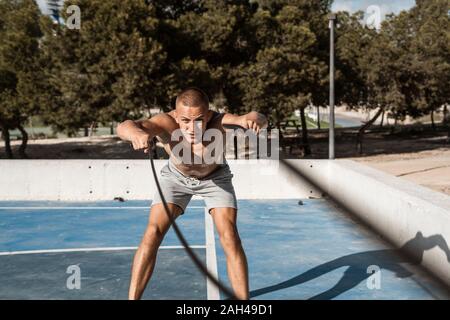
point(192, 122)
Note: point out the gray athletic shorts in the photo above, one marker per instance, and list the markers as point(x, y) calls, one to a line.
point(216, 189)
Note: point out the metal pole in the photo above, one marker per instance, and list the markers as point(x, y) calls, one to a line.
point(332, 19)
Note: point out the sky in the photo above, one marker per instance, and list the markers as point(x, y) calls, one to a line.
point(386, 6)
point(376, 10)
point(42, 6)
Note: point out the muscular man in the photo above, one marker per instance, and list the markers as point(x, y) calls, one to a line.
point(183, 177)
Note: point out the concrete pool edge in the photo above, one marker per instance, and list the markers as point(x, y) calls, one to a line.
point(400, 211)
point(95, 180)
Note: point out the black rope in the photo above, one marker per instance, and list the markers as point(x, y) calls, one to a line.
point(180, 236)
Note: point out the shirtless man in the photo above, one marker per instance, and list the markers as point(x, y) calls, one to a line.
point(181, 179)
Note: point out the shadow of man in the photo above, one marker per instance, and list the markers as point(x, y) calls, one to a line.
point(357, 263)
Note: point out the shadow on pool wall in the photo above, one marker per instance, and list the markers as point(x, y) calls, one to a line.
point(358, 263)
point(387, 205)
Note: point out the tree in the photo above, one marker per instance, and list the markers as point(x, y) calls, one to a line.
point(431, 50)
point(289, 71)
point(205, 44)
point(379, 69)
point(401, 69)
point(352, 42)
point(108, 70)
point(20, 71)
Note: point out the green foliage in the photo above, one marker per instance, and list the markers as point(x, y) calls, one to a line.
point(403, 67)
point(431, 50)
point(109, 69)
point(289, 71)
point(266, 55)
point(19, 61)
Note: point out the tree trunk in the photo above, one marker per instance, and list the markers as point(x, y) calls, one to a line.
point(382, 119)
point(446, 117)
point(446, 122)
point(111, 128)
point(392, 129)
point(433, 125)
point(359, 138)
point(7, 139)
point(33, 135)
point(304, 132)
point(86, 131)
point(318, 117)
point(91, 128)
point(23, 146)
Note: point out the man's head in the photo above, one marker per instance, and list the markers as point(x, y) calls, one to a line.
point(192, 113)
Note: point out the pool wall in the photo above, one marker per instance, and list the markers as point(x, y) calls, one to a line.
point(93, 180)
point(406, 214)
point(402, 212)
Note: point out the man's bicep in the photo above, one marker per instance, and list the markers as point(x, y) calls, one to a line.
point(153, 126)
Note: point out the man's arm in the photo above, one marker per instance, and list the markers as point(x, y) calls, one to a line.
point(139, 133)
point(252, 120)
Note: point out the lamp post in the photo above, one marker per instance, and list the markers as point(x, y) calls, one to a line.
point(332, 18)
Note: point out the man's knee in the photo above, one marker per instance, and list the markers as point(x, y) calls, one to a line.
point(230, 239)
point(152, 235)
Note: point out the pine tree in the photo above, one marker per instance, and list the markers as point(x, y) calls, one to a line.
point(431, 50)
point(109, 70)
point(20, 71)
point(290, 70)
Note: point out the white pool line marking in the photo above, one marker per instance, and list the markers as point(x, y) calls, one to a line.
point(10, 253)
point(83, 208)
point(212, 292)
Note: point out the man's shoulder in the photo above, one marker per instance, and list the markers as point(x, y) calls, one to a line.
point(216, 120)
point(170, 114)
point(217, 116)
point(165, 121)
point(164, 117)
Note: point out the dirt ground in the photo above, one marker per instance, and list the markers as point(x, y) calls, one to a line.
point(430, 169)
point(416, 153)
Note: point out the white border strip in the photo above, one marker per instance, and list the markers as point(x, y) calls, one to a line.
point(10, 253)
point(213, 292)
point(82, 208)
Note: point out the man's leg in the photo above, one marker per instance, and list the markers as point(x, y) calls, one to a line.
point(225, 221)
point(145, 257)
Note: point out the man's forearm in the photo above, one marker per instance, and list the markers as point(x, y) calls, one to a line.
point(232, 119)
point(127, 129)
point(257, 117)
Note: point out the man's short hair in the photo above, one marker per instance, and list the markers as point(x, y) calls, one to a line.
point(193, 97)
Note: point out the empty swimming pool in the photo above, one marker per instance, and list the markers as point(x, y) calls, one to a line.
point(296, 249)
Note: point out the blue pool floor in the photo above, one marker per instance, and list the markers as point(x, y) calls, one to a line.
point(309, 251)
